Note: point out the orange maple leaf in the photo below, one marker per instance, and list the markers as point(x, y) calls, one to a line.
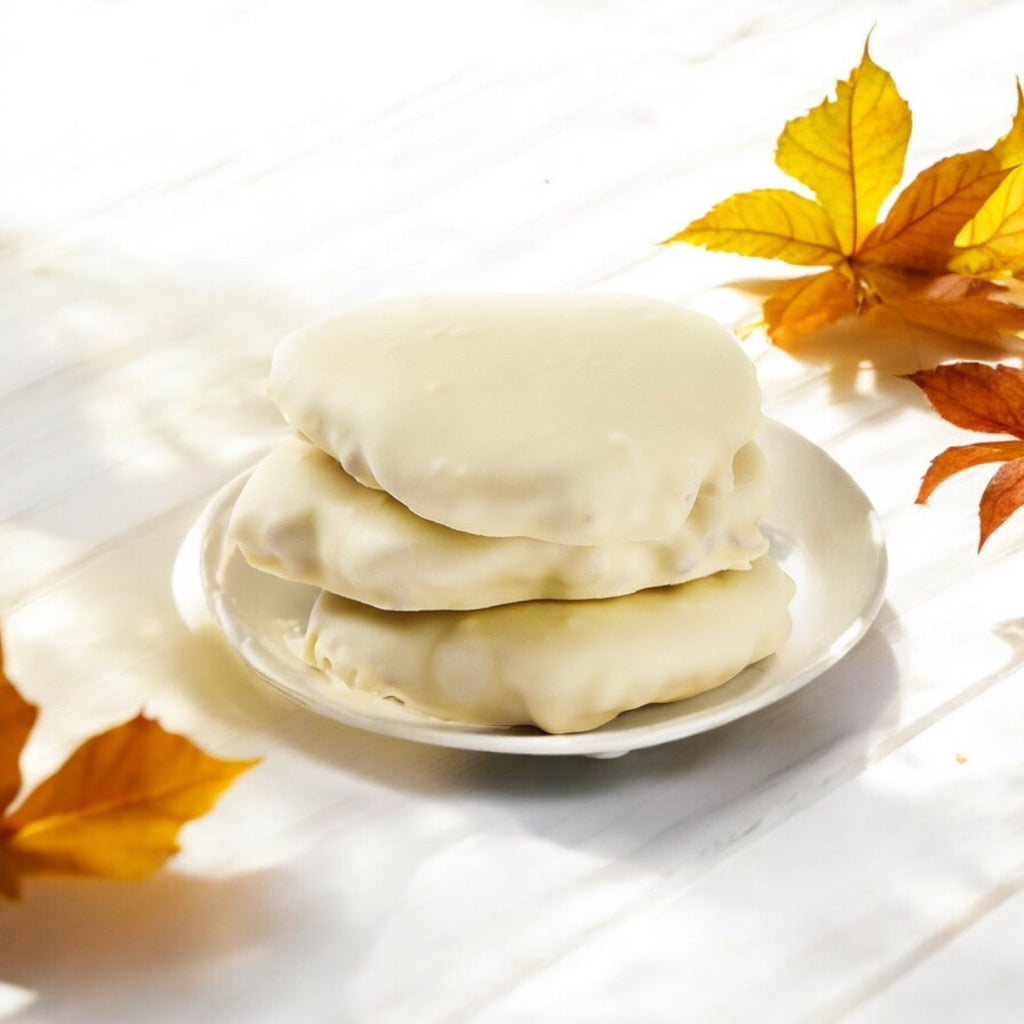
point(968, 306)
point(17, 717)
point(112, 810)
point(960, 217)
point(988, 399)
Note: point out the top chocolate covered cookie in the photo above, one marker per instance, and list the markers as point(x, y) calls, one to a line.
point(580, 419)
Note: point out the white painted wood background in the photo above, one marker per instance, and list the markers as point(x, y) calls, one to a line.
point(182, 183)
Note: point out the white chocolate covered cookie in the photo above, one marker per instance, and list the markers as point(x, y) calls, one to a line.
point(578, 419)
point(302, 517)
point(565, 666)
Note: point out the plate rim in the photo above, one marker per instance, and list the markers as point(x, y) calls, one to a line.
point(207, 549)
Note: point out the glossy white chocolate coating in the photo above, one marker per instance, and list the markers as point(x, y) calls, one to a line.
point(564, 666)
point(579, 419)
point(302, 517)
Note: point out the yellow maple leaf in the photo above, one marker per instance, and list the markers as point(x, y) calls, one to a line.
point(1009, 149)
point(770, 222)
point(113, 809)
point(992, 241)
point(849, 151)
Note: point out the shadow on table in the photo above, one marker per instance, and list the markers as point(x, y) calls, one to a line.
point(743, 776)
point(847, 702)
point(82, 938)
point(766, 765)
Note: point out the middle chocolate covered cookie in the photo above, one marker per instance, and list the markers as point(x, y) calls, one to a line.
point(302, 517)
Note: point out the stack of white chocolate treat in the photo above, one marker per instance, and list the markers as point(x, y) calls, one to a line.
point(521, 509)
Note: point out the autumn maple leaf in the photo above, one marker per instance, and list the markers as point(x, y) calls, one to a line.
point(17, 718)
point(960, 217)
point(112, 810)
point(992, 242)
point(988, 399)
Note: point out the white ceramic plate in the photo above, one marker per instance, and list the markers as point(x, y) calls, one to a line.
point(823, 532)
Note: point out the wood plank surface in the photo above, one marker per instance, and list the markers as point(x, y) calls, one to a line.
point(184, 183)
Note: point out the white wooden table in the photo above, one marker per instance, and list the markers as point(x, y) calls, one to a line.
point(183, 183)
